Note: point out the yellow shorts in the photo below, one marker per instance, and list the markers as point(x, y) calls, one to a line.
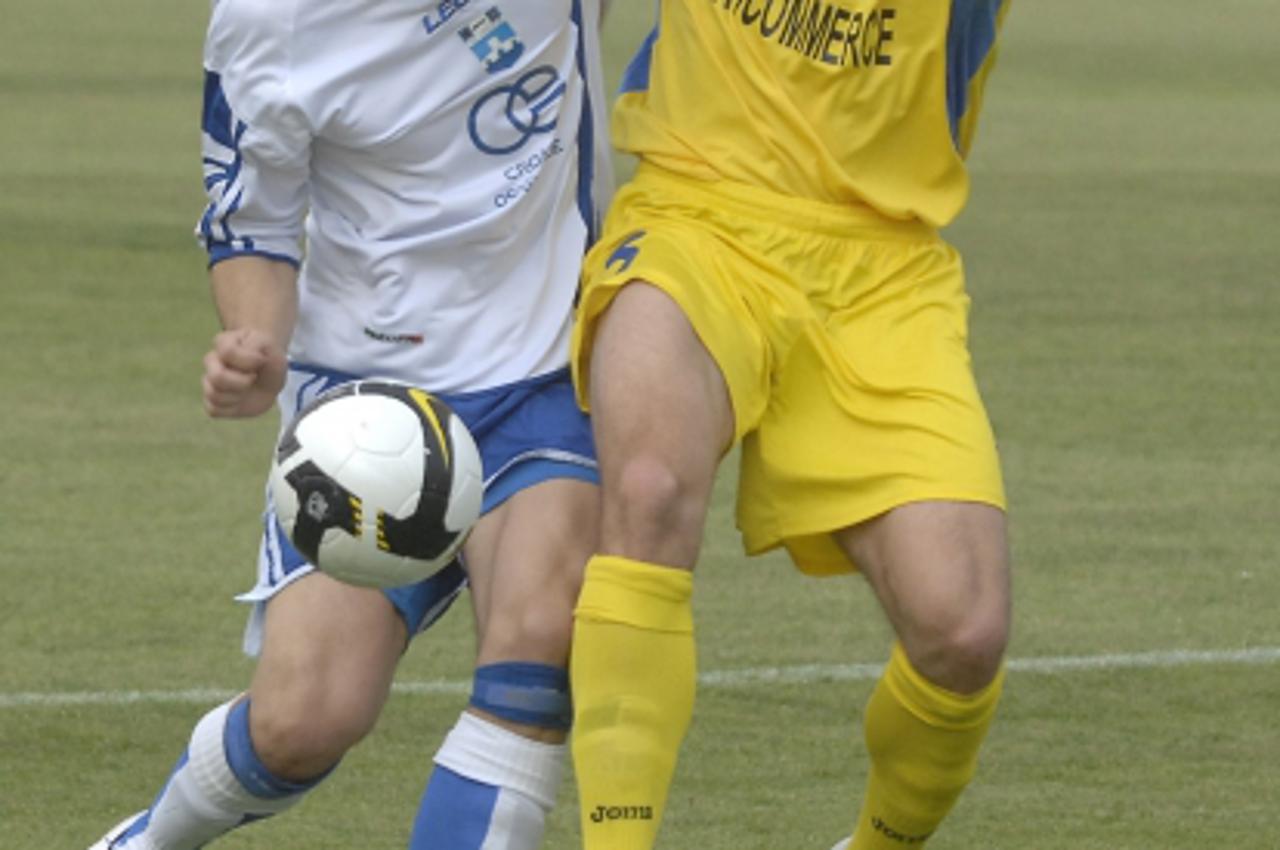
point(842, 337)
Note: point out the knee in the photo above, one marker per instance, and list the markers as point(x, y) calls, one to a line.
point(650, 499)
point(646, 487)
point(302, 736)
point(963, 651)
point(537, 632)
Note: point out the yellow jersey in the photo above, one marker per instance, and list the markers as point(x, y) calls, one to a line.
point(843, 101)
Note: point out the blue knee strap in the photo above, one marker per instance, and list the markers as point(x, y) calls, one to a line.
point(243, 760)
point(524, 692)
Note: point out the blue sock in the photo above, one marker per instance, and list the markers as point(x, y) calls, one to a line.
point(455, 813)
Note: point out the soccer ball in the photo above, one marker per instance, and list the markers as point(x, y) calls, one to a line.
point(377, 483)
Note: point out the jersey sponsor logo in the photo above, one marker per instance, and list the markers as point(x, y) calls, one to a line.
point(493, 41)
point(611, 813)
point(434, 19)
point(395, 338)
point(523, 173)
point(822, 31)
point(504, 119)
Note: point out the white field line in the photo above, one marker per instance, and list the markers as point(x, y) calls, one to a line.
point(745, 677)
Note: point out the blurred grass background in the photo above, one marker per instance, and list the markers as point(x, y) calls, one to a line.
point(1122, 252)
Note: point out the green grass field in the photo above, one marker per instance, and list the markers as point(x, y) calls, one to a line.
point(1123, 252)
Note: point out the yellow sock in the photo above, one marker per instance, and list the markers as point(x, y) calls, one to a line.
point(923, 742)
point(633, 677)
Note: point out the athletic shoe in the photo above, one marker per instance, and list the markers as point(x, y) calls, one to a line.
point(843, 845)
point(106, 841)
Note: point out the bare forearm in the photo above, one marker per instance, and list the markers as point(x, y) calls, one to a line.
point(255, 293)
point(257, 301)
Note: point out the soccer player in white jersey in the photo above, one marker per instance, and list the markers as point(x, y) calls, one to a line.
point(402, 190)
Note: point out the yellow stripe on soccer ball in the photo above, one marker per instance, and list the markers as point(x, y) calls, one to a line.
point(423, 400)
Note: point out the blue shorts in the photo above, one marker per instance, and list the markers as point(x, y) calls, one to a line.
point(527, 432)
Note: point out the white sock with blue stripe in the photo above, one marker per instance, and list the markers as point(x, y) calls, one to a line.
point(491, 790)
point(217, 785)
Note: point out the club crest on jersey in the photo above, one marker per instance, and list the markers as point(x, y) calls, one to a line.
point(493, 41)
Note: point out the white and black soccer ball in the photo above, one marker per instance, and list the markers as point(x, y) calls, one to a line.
point(377, 483)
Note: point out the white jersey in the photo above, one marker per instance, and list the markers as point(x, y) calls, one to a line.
point(446, 161)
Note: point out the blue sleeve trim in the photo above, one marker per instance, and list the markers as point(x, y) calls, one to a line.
point(219, 251)
point(222, 172)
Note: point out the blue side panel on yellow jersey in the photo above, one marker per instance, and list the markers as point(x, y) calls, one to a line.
point(970, 37)
point(636, 77)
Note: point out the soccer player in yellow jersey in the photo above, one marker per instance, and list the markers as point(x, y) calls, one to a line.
point(773, 277)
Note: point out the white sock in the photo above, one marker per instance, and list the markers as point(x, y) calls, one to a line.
point(203, 798)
